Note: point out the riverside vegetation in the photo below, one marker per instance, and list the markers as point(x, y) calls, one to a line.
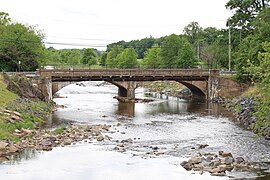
point(19, 113)
point(23, 111)
point(19, 106)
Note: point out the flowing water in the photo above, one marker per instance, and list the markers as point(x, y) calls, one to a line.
point(175, 126)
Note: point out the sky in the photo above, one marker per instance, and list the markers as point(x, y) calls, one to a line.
point(94, 24)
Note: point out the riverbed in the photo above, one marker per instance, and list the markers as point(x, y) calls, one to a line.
point(159, 135)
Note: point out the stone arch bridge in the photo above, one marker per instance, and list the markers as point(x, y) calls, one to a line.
point(205, 84)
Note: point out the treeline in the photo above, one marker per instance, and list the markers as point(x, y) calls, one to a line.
point(22, 48)
point(72, 57)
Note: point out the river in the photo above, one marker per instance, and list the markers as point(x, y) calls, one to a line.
point(175, 126)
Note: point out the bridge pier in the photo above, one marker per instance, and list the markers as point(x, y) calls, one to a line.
point(126, 89)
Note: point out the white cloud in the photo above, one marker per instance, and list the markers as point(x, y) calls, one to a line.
point(114, 19)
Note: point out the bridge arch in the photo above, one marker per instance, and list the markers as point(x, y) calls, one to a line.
point(123, 88)
point(196, 91)
point(122, 91)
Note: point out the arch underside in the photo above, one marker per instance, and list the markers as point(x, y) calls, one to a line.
point(123, 91)
point(197, 92)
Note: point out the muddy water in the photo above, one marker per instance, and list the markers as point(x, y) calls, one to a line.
point(176, 127)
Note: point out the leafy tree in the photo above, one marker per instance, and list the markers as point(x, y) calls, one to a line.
point(176, 52)
point(103, 59)
point(194, 32)
point(152, 58)
point(52, 57)
point(262, 25)
point(248, 51)
point(214, 48)
point(73, 56)
point(244, 13)
point(89, 57)
point(261, 76)
point(127, 59)
point(252, 44)
point(4, 18)
point(20, 45)
point(111, 56)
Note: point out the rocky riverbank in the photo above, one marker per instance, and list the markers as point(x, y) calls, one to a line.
point(218, 164)
point(46, 139)
point(244, 109)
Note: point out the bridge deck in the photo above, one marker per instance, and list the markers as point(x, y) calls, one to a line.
point(62, 75)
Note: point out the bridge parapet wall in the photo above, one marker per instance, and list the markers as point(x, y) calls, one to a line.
point(129, 74)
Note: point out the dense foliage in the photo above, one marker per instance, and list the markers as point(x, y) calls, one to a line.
point(261, 76)
point(21, 46)
point(73, 57)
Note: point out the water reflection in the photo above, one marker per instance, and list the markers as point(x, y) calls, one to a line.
point(171, 106)
point(126, 109)
point(24, 155)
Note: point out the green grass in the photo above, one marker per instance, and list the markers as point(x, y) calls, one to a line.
point(5, 95)
point(251, 92)
point(59, 130)
point(32, 112)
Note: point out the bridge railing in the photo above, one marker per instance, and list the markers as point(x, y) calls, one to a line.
point(127, 72)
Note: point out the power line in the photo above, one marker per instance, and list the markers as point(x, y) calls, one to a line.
point(53, 43)
point(75, 44)
point(79, 44)
point(85, 39)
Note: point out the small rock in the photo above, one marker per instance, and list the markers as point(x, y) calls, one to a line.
point(229, 160)
point(186, 165)
point(17, 131)
point(13, 149)
point(129, 140)
point(239, 160)
point(226, 154)
point(47, 148)
point(157, 153)
point(27, 131)
point(15, 117)
point(201, 146)
point(195, 160)
point(100, 138)
point(220, 152)
point(3, 145)
point(67, 142)
point(46, 143)
point(218, 170)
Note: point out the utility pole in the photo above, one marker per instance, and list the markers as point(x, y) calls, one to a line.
point(229, 46)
